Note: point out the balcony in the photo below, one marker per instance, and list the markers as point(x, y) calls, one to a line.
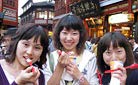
point(43, 21)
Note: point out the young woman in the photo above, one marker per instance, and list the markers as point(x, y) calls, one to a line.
point(29, 43)
point(114, 46)
point(73, 65)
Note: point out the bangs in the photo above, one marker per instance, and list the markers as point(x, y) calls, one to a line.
point(116, 40)
point(71, 23)
point(38, 32)
point(115, 44)
point(29, 34)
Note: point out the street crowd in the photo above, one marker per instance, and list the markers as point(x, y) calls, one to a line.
point(70, 58)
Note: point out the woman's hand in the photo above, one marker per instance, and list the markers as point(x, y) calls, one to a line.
point(27, 76)
point(73, 70)
point(121, 75)
point(63, 59)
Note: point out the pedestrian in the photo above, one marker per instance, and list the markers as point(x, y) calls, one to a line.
point(70, 63)
point(6, 39)
point(114, 46)
point(94, 47)
point(24, 59)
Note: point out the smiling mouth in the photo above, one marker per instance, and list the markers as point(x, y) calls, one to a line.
point(69, 44)
point(27, 58)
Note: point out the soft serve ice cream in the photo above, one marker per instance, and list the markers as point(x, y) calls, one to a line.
point(114, 65)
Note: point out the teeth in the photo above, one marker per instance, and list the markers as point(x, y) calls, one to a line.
point(28, 60)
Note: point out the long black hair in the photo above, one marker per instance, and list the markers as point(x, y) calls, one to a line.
point(27, 33)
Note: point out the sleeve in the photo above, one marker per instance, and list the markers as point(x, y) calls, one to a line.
point(92, 72)
point(46, 70)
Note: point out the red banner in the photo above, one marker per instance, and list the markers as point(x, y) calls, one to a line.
point(0, 5)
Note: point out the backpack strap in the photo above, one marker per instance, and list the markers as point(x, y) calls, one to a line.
point(51, 62)
point(41, 78)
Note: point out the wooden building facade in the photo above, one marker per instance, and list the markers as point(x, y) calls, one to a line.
point(99, 24)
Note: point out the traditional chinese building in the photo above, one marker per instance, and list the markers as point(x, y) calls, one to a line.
point(99, 16)
point(82, 8)
point(40, 13)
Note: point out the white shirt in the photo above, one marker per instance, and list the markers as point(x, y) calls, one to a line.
point(87, 66)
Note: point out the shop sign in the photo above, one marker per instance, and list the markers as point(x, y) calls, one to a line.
point(92, 22)
point(86, 8)
point(9, 12)
point(121, 18)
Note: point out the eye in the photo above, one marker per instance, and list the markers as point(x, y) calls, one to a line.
point(119, 51)
point(37, 47)
point(26, 44)
point(108, 53)
point(75, 33)
point(65, 33)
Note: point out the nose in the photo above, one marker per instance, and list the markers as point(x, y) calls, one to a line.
point(29, 51)
point(69, 37)
point(114, 57)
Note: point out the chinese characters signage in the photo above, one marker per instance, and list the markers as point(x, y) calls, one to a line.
point(10, 14)
point(86, 8)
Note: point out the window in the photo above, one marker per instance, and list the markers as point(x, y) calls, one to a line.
point(41, 14)
point(10, 3)
point(51, 14)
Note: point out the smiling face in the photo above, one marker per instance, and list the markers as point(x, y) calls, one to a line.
point(28, 49)
point(114, 54)
point(69, 39)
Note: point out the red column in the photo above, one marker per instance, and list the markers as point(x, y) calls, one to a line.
point(67, 6)
point(130, 6)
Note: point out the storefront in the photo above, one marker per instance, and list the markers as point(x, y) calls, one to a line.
point(97, 16)
point(121, 22)
point(118, 17)
point(89, 11)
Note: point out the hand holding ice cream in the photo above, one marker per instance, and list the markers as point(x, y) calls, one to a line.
point(118, 77)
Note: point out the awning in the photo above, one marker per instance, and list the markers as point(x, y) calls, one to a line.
point(60, 16)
